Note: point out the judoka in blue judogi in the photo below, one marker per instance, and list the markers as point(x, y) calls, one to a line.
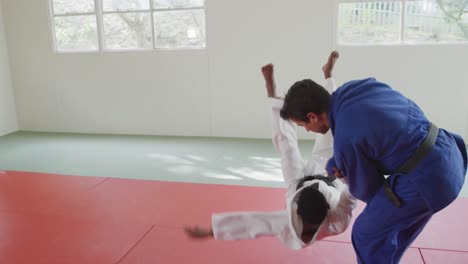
point(392, 157)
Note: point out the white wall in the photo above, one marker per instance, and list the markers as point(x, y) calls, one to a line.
point(218, 91)
point(8, 123)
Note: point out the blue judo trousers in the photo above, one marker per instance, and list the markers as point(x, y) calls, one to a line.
point(376, 130)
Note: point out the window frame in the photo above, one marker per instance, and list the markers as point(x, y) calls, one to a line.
point(99, 14)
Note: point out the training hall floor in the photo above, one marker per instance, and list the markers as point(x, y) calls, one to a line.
point(73, 198)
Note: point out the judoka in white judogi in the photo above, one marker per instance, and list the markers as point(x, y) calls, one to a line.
point(286, 224)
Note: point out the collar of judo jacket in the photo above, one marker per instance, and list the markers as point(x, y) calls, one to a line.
point(332, 195)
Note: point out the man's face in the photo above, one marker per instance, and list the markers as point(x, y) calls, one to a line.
point(308, 126)
point(318, 123)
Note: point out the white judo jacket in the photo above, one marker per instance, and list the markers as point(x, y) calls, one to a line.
point(286, 225)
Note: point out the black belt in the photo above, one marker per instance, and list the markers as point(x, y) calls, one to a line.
point(417, 157)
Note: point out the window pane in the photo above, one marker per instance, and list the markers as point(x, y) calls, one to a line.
point(177, 3)
point(128, 31)
point(76, 33)
point(436, 21)
point(180, 29)
point(124, 5)
point(72, 6)
point(369, 23)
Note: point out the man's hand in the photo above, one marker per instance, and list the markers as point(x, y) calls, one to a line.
point(267, 72)
point(337, 173)
point(198, 232)
point(328, 67)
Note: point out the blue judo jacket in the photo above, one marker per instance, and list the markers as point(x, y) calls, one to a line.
point(376, 130)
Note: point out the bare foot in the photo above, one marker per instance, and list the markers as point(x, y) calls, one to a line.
point(328, 67)
point(267, 71)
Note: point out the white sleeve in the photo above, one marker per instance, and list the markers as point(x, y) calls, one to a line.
point(330, 85)
point(343, 214)
point(285, 142)
point(248, 225)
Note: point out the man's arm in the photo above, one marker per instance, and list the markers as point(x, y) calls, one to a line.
point(242, 225)
point(284, 135)
point(360, 172)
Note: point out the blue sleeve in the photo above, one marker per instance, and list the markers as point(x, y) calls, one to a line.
point(360, 171)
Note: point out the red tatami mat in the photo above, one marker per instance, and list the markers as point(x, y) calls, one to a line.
point(40, 192)
point(73, 220)
point(444, 257)
point(50, 239)
point(447, 229)
point(172, 246)
point(173, 204)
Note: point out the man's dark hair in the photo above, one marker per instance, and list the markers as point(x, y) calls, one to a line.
point(305, 97)
point(312, 206)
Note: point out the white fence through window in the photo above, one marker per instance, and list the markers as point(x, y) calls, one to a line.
point(394, 22)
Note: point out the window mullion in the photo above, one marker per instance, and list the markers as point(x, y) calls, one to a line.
point(52, 25)
point(99, 20)
point(403, 21)
point(152, 23)
point(180, 8)
point(124, 11)
point(75, 14)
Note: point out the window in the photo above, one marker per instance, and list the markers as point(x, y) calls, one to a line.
point(75, 25)
point(402, 22)
point(112, 25)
